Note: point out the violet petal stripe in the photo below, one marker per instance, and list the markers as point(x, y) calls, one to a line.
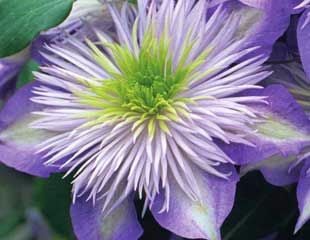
point(303, 36)
point(120, 224)
point(17, 140)
point(191, 219)
point(280, 139)
point(303, 195)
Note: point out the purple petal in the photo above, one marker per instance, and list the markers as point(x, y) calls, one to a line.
point(192, 219)
point(303, 36)
point(265, 4)
point(262, 4)
point(17, 139)
point(120, 224)
point(276, 170)
point(303, 196)
point(279, 140)
point(274, 22)
point(287, 126)
point(262, 22)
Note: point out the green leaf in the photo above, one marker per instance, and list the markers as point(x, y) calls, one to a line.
point(52, 196)
point(26, 74)
point(260, 209)
point(22, 20)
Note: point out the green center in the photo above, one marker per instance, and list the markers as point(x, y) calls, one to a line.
point(144, 83)
point(147, 82)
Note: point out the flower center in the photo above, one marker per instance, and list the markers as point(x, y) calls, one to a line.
point(149, 84)
point(143, 82)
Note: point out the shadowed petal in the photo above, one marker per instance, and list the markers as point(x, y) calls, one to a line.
point(120, 224)
point(262, 22)
point(286, 126)
point(9, 68)
point(17, 139)
point(279, 139)
point(276, 170)
point(198, 220)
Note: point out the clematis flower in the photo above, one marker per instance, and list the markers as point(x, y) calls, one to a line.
point(139, 114)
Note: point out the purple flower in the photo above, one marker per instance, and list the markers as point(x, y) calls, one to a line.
point(144, 110)
point(139, 113)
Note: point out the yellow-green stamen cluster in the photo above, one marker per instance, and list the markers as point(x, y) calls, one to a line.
point(145, 85)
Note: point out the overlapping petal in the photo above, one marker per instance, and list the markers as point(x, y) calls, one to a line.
point(262, 22)
point(89, 223)
point(191, 219)
point(9, 68)
point(280, 138)
point(17, 139)
point(303, 36)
